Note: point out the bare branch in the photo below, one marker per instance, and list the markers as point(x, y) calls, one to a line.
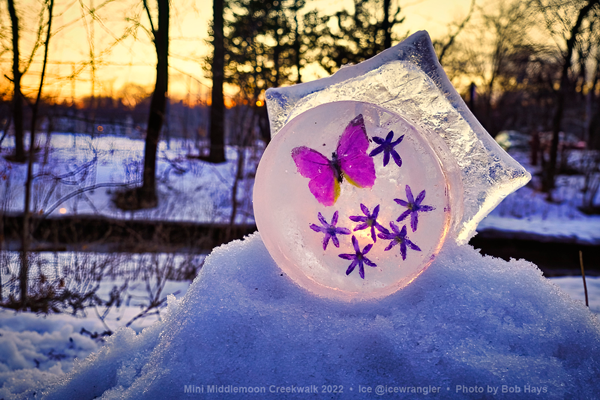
point(150, 18)
point(86, 189)
point(458, 31)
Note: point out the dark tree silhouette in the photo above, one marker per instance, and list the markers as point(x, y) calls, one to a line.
point(549, 172)
point(217, 108)
point(24, 272)
point(358, 36)
point(17, 100)
point(145, 196)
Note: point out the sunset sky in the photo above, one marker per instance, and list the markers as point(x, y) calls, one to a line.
point(131, 60)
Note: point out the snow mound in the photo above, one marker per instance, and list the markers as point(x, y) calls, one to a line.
point(470, 324)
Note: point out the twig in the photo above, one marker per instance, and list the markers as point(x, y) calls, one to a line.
point(85, 189)
point(458, 30)
point(583, 276)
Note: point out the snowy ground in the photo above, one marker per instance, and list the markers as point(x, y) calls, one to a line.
point(525, 214)
point(36, 349)
point(188, 189)
point(191, 190)
point(468, 321)
point(40, 348)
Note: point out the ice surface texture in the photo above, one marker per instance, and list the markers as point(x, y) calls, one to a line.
point(408, 80)
point(324, 191)
point(468, 320)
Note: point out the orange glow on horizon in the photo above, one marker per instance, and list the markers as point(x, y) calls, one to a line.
point(130, 61)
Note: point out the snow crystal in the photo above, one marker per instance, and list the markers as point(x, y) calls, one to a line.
point(469, 321)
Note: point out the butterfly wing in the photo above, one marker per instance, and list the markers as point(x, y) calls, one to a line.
point(356, 165)
point(315, 166)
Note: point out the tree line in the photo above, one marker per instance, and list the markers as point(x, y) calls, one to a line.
point(528, 65)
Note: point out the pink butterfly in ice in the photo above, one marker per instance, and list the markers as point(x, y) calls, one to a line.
point(350, 161)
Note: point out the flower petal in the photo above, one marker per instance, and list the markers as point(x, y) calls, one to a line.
point(364, 209)
point(392, 244)
point(361, 227)
point(409, 195)
point(386, 158)
point(403, 250)
point(414, 220)
point(420, 197)
point(335, 218)
point(375, 212)
point(397, 158)
point(316, 228)
point(397, 142)
point(342, 231)
point(369, 262)
point(335, 241)
point(403, 215)
point(322, 219)
point(355, 244)
point(361, 270)
point(376, 151)
point(381, 228)
point(351, 267)
point(412, 245)
point(326, 241)
point(403, 231)
point(386, 236)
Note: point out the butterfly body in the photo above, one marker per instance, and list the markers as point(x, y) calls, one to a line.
point(349, 162)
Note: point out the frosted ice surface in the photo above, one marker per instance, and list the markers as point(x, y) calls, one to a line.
point(468, 320)
point(391, 202)
point(408, 80)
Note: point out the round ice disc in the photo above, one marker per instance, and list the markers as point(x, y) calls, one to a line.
point(351, 201)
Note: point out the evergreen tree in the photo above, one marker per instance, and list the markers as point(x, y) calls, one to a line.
point(358, 36)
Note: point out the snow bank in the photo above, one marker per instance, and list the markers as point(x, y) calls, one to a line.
point(468, 324)
point(36, 350)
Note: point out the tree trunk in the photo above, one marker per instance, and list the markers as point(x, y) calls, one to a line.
point(24, 272)
point(277, 48)
point(385, 26)
point(147, 195)
point(217, 108)
point(297, 43)
point(17, 100)
point(549, 173)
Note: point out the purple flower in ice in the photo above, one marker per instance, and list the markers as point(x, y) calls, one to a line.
point(398, 236)
point(414, 207)
point(358, 258)
point(387, 146)
point(368, 221)
point(330, 230)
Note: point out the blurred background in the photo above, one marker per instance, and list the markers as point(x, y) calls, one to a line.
point(130, 131)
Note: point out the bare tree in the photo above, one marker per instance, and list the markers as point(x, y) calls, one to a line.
point(17, 100)
point(453, 36)
point(549, 172)
point(145, 196)
point(24, 272)
point(217, 108)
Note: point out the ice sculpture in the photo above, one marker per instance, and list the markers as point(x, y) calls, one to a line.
point(370, 170)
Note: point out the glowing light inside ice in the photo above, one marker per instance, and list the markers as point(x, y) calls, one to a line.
point(426, 165)
point(408, 80)
point(351, 201)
